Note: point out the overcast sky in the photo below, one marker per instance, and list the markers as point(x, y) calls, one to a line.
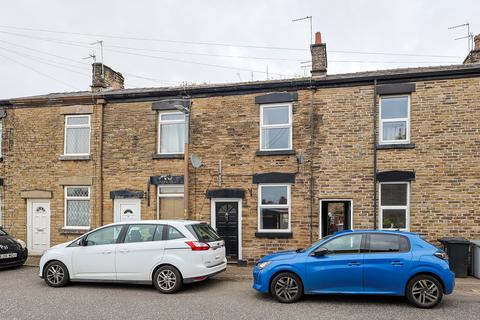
point(34, 62)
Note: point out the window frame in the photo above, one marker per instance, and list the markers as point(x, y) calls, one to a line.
point(261, 206)
point(289, 125)
point(403, 207)
point(159, 135)
point(71, 126)
point(168, 195)
point(66, 198)
point(382, 121)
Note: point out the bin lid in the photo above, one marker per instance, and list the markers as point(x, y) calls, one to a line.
point(475, 243)
point(453, 240)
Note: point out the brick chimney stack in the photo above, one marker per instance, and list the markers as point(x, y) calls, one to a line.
point(109, 80)
point(319, 57)
point(474, 55)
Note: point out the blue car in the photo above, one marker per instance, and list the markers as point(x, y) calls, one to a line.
point(359, 262)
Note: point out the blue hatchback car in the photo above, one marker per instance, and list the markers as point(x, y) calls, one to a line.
point(359, 262)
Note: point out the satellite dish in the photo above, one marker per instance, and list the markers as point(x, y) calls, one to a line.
point(196, 161)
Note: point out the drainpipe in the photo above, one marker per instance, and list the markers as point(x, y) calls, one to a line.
point(374, 110)
point(186, 159)
point(101, 103)
point(312, 155)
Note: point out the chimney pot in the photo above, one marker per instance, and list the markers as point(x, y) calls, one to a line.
point(319, 57)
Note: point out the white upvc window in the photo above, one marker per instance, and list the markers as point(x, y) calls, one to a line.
point(77, 135)
point(170, 204)
point(77, 207)
point(395, 119)
point(274, 208)
point(276, 127)
point(171, 132)
point(395, 205)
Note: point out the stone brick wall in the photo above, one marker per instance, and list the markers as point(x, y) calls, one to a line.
point(445, 117)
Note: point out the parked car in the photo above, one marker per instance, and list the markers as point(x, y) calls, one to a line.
point(13, 252)
point(359, 262)
point(165, 253)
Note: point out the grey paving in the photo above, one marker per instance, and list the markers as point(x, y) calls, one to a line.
point(25, 296)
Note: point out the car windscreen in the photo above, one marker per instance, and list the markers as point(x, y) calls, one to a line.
point(203, 232)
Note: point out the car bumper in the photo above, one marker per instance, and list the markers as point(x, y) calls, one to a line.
point(15, 263)
point(207, 272)
point(449, 282)
point(260, 280)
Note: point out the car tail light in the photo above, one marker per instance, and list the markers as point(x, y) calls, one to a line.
point(198, 246)
point(441, 255)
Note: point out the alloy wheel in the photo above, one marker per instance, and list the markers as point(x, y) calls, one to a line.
point(166, 280)
point(286, 288)
point(425, 292)
point(55, 274)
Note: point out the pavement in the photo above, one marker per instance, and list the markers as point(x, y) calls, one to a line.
point(23, 295)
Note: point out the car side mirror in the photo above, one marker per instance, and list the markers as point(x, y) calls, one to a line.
point(320, 252)
point(82, 242)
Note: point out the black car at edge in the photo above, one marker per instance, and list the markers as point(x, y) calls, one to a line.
point(13, 252)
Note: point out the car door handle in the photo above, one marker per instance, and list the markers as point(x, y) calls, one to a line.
point(107, 252)
point(397, 263)
point(353, 264)
point(123, 250)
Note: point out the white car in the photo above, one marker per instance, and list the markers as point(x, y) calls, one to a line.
point(165, 252)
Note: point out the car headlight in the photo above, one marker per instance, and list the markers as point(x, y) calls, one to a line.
point(22, 244)
point(263, 265)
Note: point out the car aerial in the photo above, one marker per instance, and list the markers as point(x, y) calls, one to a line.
point(167, 253)
point(13, 252)
point(359, 262)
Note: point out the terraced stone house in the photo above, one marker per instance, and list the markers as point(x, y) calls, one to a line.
point(271, 165)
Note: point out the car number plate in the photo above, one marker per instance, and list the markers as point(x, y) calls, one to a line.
point(8, 255)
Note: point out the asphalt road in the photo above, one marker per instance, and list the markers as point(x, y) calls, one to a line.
point(25, 296)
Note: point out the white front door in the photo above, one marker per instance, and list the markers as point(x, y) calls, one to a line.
point(38, 225)
point(127, 210)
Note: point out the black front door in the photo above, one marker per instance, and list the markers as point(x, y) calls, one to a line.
point(226, 216)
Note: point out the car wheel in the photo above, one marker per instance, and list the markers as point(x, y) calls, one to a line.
point(56, 274)
point(424, 291)
point(286, 287)
point(167, 279)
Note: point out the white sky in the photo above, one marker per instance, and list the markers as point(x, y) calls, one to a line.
point(401, 26)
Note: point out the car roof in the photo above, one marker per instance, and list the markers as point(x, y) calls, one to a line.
point(170, 222)
point(405, 233)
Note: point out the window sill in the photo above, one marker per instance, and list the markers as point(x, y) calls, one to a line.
point(72, 231)
point(396, 146)
point(274, 235)
point(261, 153)
point(168, 156)
point(75, 158)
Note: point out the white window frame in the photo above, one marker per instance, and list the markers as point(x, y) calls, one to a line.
point(289, 125)
point(161, 122)
point(76, 198)
point(288, 205)
point(405, 207)
point(72, 126)
point(168, 195)
point(407, 120)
